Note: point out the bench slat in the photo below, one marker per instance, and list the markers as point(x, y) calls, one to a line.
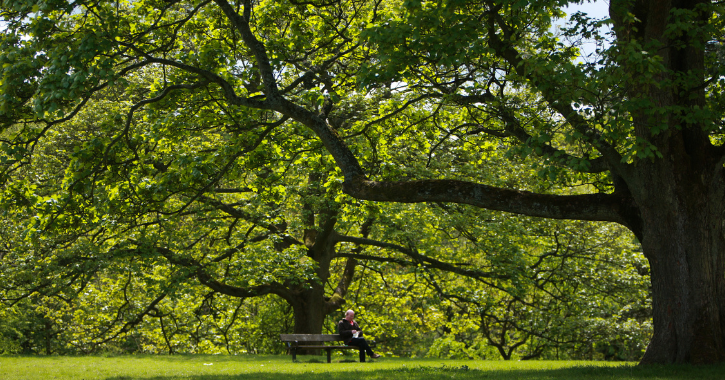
point(310, 337)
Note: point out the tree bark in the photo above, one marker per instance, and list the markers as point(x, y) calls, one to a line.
point(680, 195)
point(683, 241)
point(309, 311)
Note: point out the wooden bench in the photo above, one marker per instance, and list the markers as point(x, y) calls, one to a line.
point(307, 341)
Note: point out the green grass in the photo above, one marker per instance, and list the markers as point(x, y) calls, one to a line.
point(197, 367)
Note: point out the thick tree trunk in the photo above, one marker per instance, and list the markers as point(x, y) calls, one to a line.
point(680, 195)
point(683, 239)
point(309, 312)
point(310, 306)
point(687, 300)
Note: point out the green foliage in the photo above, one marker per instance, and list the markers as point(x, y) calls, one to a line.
point(132, 179)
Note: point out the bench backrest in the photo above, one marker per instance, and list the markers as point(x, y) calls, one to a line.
point(310, 337)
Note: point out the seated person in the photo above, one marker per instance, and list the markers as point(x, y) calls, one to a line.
point(352, 335)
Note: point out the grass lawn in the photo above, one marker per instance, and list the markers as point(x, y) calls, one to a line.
point(217, 367)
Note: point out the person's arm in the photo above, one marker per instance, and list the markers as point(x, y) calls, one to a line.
point(344, 329)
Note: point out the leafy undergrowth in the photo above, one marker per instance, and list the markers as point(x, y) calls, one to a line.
point(207, 367)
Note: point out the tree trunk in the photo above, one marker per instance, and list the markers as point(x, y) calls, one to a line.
point(309, 315)
point(309, 311)
point(310, 306)
point(687, 302)
point(683, 239)
point(680, 195)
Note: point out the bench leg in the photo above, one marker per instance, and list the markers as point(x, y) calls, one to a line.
point(294, 354)
point(329, 360)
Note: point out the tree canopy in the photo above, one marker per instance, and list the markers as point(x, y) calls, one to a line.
point(125, 121)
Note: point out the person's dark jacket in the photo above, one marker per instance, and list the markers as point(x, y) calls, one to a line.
point(344, 328)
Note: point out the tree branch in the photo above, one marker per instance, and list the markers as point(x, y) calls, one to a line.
point(228, 89)
point(595, 207)
point(514, 58)
point(343, 285)
point(428, 261)
point(241, 24)
point(513, 128)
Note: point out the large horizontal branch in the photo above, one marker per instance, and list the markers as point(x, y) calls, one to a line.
point(595, 207)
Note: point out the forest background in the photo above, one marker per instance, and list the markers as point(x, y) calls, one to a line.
point(201, 176)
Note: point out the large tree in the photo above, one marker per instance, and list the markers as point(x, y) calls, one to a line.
point(635, 134)
point(643, 119)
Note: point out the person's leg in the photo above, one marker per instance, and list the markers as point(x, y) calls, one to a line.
point(368, 349)
point(364, 348)
point(362, 345)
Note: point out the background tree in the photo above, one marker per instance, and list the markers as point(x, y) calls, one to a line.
point(110, 246)
point(554, 289)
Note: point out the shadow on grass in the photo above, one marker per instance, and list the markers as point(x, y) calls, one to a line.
point(463, 372)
